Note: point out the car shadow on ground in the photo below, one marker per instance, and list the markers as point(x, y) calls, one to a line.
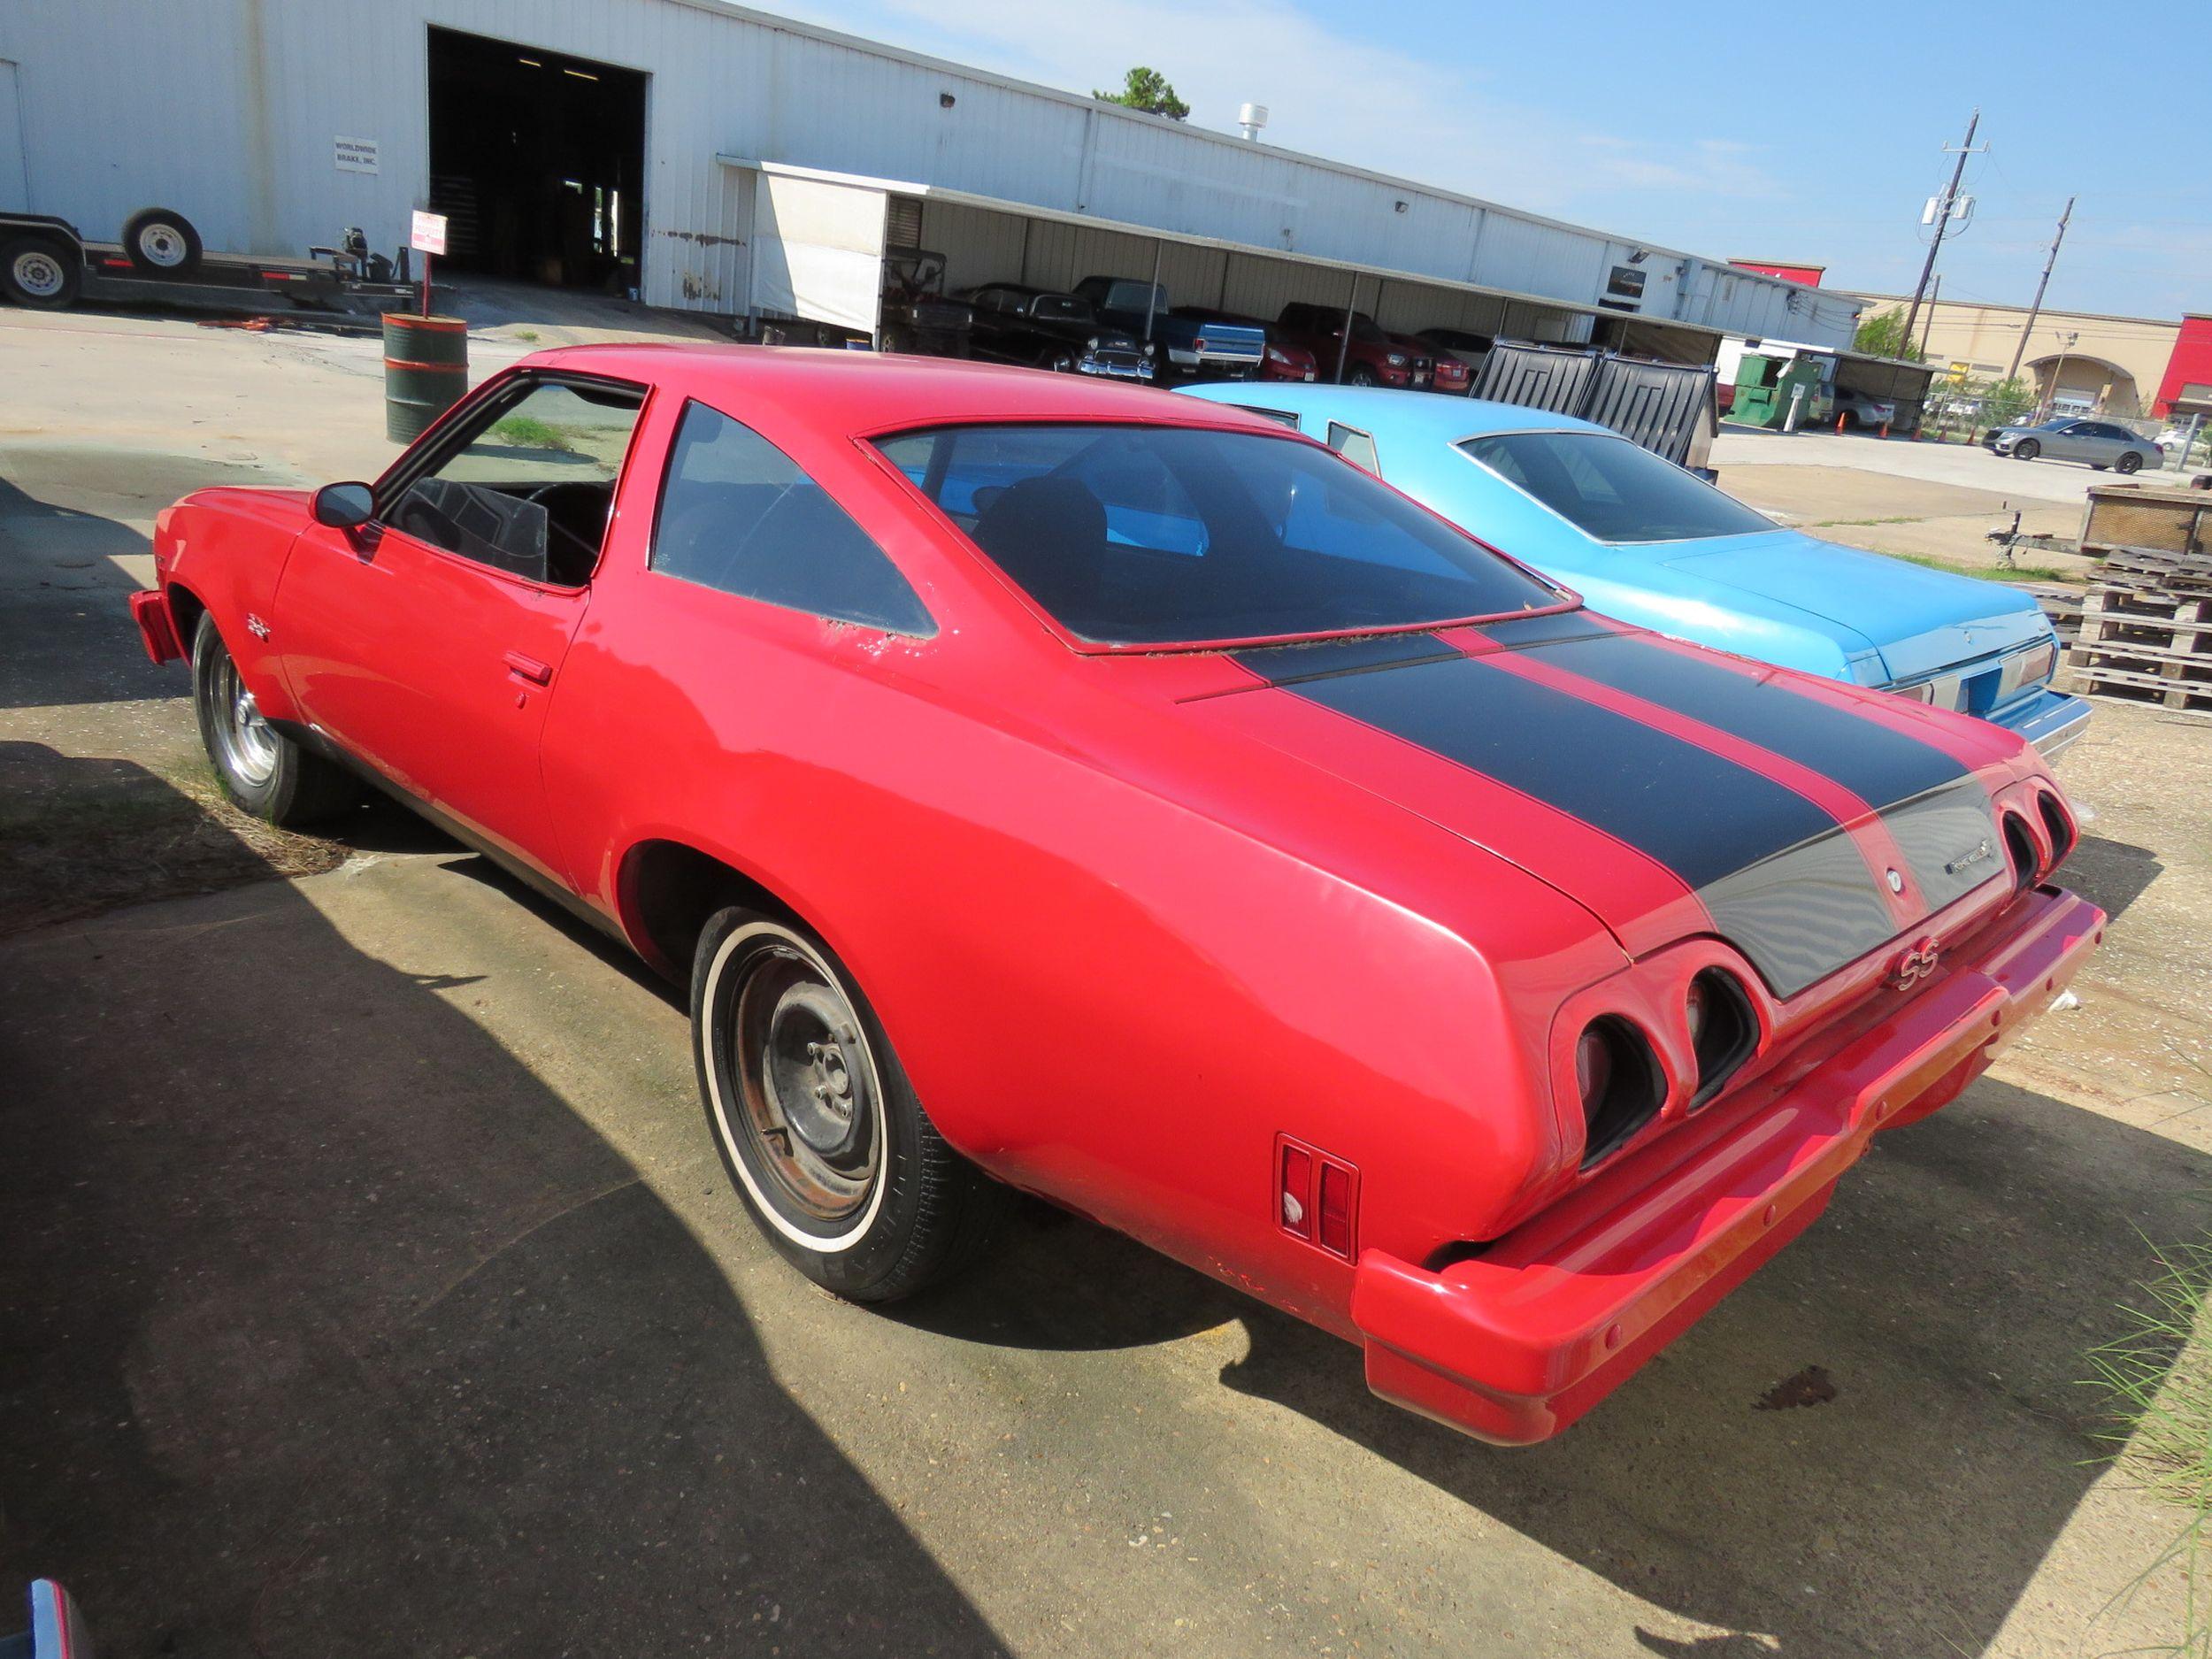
point(1949, 1294)
point(2110, 874)
point(324, 1344)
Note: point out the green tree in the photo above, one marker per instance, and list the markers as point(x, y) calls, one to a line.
point(2006, 402)
point(1147, 90)
point(1883, 336)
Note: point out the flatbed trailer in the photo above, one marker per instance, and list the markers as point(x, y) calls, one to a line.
point(46, 262)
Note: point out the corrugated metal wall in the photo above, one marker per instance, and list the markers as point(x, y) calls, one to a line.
point(228, 109)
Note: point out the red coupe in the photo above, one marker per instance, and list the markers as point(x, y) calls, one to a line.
point(1119, 797)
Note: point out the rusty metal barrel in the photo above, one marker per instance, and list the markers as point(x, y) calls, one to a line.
point(426, 371)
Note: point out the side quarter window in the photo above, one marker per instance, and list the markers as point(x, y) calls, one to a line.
point(1354, 446)
point(739, 515)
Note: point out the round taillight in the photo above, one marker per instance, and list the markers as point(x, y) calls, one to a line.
point(2020, 852)
point(2058, 824)
point(1724, 1031)
point(1593, 1067)
point(1618, 1076)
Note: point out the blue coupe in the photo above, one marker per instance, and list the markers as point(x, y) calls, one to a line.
point(1644, 541)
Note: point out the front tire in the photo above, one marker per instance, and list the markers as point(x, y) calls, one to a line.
point(1360, 375)
point(2027, 449)
point(817, 1127)
point(263, 770)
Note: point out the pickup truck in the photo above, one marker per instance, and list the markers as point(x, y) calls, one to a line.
point(1191, 342)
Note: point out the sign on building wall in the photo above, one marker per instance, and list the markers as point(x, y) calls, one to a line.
point(355, 155)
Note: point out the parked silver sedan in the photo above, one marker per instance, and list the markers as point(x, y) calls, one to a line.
point(2102, 443)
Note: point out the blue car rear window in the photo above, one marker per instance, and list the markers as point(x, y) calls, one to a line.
point(1610, 489)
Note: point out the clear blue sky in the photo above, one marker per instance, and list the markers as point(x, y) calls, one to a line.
point(1758, 130)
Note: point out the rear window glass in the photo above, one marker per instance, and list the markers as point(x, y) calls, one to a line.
point(1611, 488)
point(1152, 535)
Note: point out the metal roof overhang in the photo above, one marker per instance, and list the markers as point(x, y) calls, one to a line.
point(1029, 210)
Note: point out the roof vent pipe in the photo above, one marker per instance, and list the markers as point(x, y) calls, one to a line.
point(1251, 117)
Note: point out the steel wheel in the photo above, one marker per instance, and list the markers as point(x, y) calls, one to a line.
point(38, 273)
point(162, 247)
point(816, 1122)
point(794, 1088)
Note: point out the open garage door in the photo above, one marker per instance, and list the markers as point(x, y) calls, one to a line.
point(537, 161)
point(817, 251)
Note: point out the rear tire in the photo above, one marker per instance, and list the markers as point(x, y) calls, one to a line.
point(40, 272)
point(263, 770)
point(2027, 449)
point(2128, 463)
point(815, 1121)
point(161, 241)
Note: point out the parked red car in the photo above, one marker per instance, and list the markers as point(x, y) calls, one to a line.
point(1046, 782)
point(1371, 358)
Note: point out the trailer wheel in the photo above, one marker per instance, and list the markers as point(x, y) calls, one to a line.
point(39, 272)
point(161, 241)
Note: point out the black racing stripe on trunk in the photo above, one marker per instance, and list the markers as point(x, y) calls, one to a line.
point(1881, 765)
point(1552, 630)
point(1702, 815)
point(1779, 876)
point(1321, 659)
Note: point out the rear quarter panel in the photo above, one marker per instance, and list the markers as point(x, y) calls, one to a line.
point(1104, 985)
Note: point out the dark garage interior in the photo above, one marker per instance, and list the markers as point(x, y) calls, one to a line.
point(537, 162)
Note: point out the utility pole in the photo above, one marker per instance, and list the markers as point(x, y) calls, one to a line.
point(1935, 294)
point(2036, 310)
point(1944, 204)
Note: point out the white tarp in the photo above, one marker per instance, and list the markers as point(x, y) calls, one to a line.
point(817, 251)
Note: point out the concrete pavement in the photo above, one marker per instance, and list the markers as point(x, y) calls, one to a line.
point(1968, 465)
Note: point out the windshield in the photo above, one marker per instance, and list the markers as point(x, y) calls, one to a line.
point(1610, 489)
point(1156, 535)
point(1062, 307)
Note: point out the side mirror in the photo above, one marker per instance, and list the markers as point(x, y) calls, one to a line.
point(344, 506)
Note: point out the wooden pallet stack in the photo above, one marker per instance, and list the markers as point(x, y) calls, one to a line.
point(2146, 629)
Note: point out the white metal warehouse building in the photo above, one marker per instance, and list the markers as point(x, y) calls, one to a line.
point(721, 159)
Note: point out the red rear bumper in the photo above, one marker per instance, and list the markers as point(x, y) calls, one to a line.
point(157, 625)
point(1516, 1344)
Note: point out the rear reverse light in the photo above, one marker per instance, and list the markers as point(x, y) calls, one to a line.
point(1317, 1197)
point(1336, 1210)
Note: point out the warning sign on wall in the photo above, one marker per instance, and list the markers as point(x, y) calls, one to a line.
point(355, 155)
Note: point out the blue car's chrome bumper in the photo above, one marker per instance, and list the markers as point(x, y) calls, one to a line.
point(2049, 720)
